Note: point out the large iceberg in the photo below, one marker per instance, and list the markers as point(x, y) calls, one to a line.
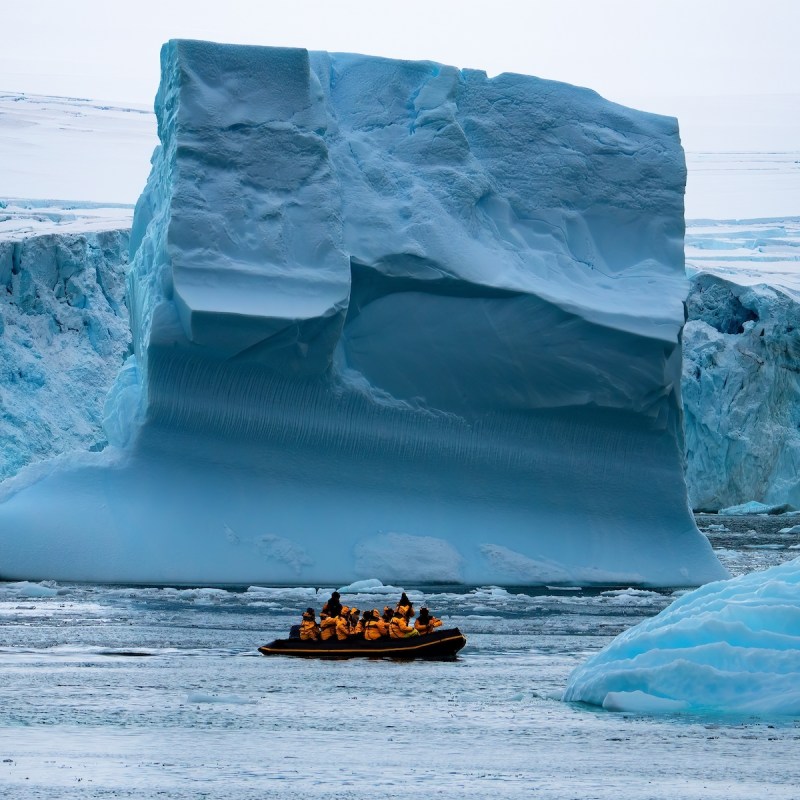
point(731, 646)
point(389, 318)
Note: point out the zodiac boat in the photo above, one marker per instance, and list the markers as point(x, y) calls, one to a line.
point(439, 645)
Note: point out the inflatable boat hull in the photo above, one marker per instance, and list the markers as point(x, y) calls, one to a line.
point(436, 645)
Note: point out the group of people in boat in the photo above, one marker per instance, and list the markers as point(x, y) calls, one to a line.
point(342, 622)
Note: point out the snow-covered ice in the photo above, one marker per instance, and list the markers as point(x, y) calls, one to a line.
point(388, 305)
point(73, 149)
point(731, 646)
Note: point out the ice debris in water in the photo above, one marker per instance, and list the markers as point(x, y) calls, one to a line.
point(28, 589)
point(226, 699)
point(369, 586)
point(729, 646)
point(754, 507)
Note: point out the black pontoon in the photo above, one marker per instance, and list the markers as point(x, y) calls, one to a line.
point(436, 645)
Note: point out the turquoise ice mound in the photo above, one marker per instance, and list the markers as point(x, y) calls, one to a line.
point(730, 646)
point(390, 319)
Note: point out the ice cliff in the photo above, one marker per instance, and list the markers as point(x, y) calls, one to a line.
point(63, 334)
point(390, 319)
point(741, 368)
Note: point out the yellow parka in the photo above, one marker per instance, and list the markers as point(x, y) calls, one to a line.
point(328, 628)
point(342, 628)
point(400, 629)
point(428, 627)
point(375, 629)
point(309, 630)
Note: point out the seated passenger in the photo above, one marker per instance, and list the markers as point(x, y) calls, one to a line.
point(405, 606)
point(309, 630)
point(399, 627)
point(388, 613)
point(372, 625)
point(425, 623)
point(328, 627)
point(362, 623)
point(343, 624)
point(383, 624)
point(354, 621)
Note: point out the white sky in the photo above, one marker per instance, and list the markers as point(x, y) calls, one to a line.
point(625, 49)
point(728, 69)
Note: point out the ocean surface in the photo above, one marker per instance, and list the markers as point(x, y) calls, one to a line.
point(119, 692)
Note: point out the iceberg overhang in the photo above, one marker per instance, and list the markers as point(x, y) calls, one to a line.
point(390, 319)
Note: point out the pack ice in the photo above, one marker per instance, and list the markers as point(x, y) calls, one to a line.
point(390, 319)
point(730, 646)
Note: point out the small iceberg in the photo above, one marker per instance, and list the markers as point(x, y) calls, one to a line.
point(731, 646)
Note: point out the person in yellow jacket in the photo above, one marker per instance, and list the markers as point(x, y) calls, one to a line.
point(362, 623)
point(354, 621)
point(309, 630)
point(383, 623)
point(343, 625)
point(373, 626)
point(406, 606)
point(328, 628)
point(425, 623)
point(399, 627)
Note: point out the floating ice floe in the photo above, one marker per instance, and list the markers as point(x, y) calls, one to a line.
point(754, 507)
point(729, 646)
point(28, 589)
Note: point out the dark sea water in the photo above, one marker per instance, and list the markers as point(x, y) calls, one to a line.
point(161, 693)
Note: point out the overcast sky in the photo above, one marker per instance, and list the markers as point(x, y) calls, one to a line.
point(623, 48)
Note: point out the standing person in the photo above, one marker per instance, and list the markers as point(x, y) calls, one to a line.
point(425, 623)
point(333, 607)
point(405, 606)
point(309, 630)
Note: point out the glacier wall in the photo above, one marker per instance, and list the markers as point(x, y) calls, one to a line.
point(741, 390)
point(390, 319)
point(64, 333)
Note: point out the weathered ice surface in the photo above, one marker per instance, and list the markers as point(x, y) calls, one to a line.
point(390, 319)
point(731, 646)
point(741, 369)
point(63, 337)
